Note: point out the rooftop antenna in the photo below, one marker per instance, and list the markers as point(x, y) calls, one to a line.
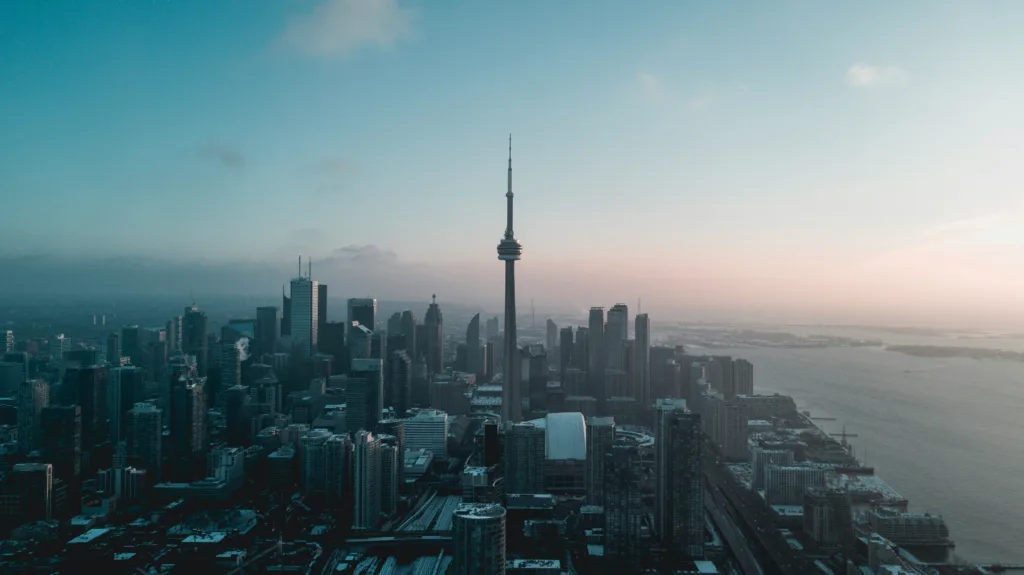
point(300, 266)
point(309, 263)
point(638, 306)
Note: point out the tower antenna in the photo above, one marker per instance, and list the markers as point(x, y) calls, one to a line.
point(300, 266)
point(309, 263)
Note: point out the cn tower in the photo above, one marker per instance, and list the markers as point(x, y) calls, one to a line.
point(510, 250)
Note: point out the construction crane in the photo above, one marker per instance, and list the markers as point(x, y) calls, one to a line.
point(842, 436)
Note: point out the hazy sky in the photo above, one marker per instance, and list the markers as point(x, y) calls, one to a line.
point(792, 157)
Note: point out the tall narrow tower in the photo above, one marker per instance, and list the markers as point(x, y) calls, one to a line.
point(510, 250)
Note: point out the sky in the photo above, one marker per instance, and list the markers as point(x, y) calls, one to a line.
point(798, 160)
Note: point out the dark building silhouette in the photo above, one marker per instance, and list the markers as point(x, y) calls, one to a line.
point(408, 329)
point(114, 349)
point(268, 329)
point(187, 425)
point(565, 349)
point(679, 479)
point(62, 441)
point(193, 337)
point(364, 395)
point(86, 387)
point(286, 313)
point(474, 363)
point(434, 327)
point(509, 251)
point(398, 388)
point(321, 303)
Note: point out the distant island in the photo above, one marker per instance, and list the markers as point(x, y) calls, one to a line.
point(953, 351)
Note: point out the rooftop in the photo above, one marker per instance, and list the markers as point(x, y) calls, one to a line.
point(479, 510)
point(565, 437)
point(533, 564)
point(89, 536)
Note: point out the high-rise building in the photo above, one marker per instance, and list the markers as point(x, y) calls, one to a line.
point(616, 334)
point(188, 427)
point(366, 480)
point(364, 311)
point(62, 441)
point(743, 377)
point(313, 461)
point(304, 315)
point(642, 360)
point(86, 387)
point(237, 415)
point(364, 395)
point(173, 330)
point(286, 312)
point(8, 341)
point(623, 505)
point(473, 348)
point(679, 479)
point(339, 470)
point(390, 473)
point(565, 349)
point(598, 357)
point(510, 250)
point(394, 325)
point(491, 328)
point(600, 438)
point(114, 349)
point(33, 484)
point(126, 386)
point(11, 376)
point(268, 329)
point(396, 428)
point(33, 396)
point(193, 337)
point(427, 429)
point(398, 388)
point(551, 336)
point(581, 349)
point(524, 457)
point(408, 329)
point(144, 439)
point(478, 532)
point(534, 375)
point(433, 323)
point(321, 303)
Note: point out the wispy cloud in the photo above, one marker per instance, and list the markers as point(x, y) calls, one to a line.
point(651, 85)
point(339, 27)
point(223, 154)
point(335, 166)
point(868, 76)
point(699, 103)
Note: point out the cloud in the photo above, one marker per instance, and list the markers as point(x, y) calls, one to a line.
point(330, 166)
point(699, 103)
point(339, 27)
point(362, 254)
point(868, 76)
point(225, 155)
point(651, 85)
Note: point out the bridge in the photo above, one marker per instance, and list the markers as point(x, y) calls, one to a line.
point(404, 539)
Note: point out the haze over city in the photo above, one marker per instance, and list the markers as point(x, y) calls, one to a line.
point(785, 162)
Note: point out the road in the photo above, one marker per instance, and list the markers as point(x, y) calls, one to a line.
point(756, 519)
point(737, 542)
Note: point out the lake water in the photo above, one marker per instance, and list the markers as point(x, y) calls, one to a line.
point(946, 433)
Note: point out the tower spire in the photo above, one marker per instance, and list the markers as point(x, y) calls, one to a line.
point(508, 195)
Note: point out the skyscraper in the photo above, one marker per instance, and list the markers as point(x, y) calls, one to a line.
point(321, 304)
point(86, 387)
point(305, 314)
point(473, 349)
point(144, 438)
point(510, 250)
point(188, 426)
point(286, 313)
point(362, 310)
point(125, 387)
point(597, 359)
point(268, 328)
point(642, 359)
point(600, 438)
point(399, 382)
point(565, 350)
point(366, 481)
point(478, 532)
point(623, 507)
point(114, 349)
point(551, 336)
point(743, 376)
point(8, 340)
point(616, 334)
point(33, 396)
point(434, 324)
point(408, 329)
point(679, 479)
point(364, 395)
point(193, 337)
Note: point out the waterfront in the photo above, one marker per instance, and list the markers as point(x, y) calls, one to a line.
point(946, 433)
